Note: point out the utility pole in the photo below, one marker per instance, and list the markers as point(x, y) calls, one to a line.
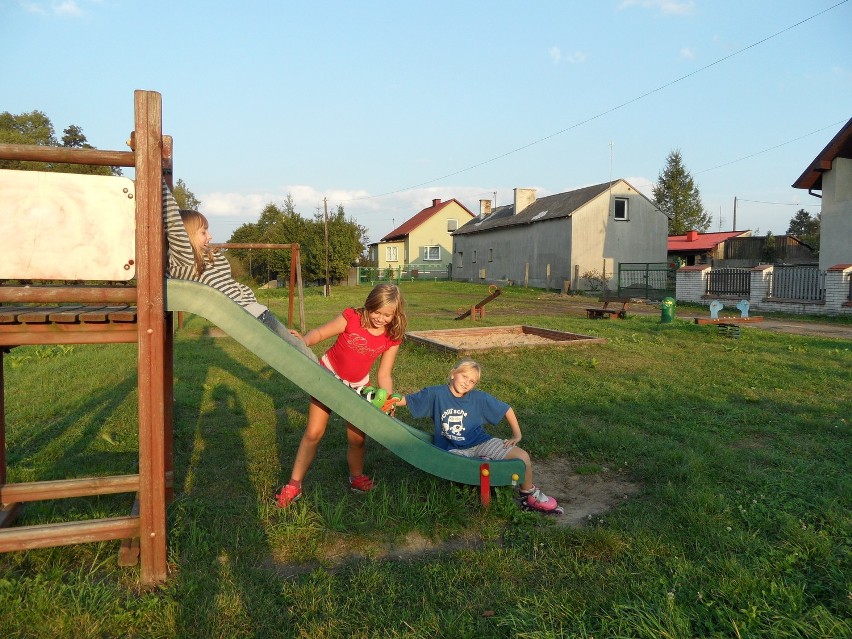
point(734, 227)
point(325, 214)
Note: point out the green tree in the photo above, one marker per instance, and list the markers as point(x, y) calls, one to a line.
point(283, 225)
point(770, 250)
point(806, 227)
point(27, 128)
point(37, 129)
point(184, 197)
point(677, 195)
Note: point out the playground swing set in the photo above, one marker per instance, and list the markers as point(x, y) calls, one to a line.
point(57, 227)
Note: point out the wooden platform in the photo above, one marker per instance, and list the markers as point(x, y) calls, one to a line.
point(728, 320)
point(29, 325)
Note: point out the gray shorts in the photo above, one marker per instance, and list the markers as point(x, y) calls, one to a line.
point(489, 449)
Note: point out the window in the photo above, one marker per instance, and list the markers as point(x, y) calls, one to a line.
point(473, 259)
point(460, 262)
point(452, 225)
point(620, 210)
point(391, 254)
point(491, 255)
point(431, 253)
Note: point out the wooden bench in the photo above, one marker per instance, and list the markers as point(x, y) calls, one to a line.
point(605, 312)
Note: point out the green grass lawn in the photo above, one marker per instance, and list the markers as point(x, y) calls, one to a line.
point(742, 526)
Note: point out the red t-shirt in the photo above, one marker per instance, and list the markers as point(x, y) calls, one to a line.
point(356, 349)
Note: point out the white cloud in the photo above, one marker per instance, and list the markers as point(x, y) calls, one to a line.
point(840, 72)
point(669, 7)
point(379, 214)
point(33, 7)
point(643, 185)
point(687, 53)
point(63, 8)
point(67, 8)
point(555, 54)
point(578, 57)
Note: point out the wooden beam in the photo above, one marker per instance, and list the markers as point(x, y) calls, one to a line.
point(67, 533)
point(38, 153)
point(84, 294)
point(64, 488)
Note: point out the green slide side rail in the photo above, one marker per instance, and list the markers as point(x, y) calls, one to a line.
point(410, 444)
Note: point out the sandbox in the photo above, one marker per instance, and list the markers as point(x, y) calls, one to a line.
point(463, 341)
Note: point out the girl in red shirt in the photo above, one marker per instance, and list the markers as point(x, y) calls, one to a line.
point(363, 335)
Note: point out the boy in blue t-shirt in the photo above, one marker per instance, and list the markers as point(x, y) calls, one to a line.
point(460, 413)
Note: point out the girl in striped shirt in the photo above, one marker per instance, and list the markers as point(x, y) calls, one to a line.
point(191, 258)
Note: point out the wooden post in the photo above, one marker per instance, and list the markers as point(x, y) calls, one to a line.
point(299, 284)
point(152, 334)
point(526, 274)
point(294, 259)
point(2, 423)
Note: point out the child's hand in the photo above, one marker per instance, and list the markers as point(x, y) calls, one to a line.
point(389, 406)
point(511, 441)
point(296, 333)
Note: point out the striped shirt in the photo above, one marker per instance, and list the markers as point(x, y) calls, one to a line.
point(182, 260)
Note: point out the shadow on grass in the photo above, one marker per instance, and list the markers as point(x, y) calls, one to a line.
point(218, 527)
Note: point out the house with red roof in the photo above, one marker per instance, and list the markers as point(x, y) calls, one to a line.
point(701, 248)
point(425, 239)
point(830, 173)
point(738, 249)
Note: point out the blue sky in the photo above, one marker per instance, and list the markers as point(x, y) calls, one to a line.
point(384, 106)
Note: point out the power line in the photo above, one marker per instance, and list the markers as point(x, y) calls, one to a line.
point(740, 199)
point(608, 111)
point(772, 148)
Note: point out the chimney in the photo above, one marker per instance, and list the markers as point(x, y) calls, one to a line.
point(692, 236)
point(523, 198)
point(436, 202)
point(484, 208)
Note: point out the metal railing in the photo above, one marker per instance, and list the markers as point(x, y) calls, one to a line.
point(649, 280)
point(729, 282)
point(797, 283)
point(410, 272)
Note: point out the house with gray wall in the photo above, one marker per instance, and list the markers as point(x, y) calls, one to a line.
point(557, 241)
point(830, 173)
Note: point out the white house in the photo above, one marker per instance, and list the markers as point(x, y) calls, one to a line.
point(831, 174)
point(563, 238)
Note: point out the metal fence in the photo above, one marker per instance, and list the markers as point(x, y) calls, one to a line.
point(649, 280)
point(411, 272)
point(797, 283)
point(729, 281)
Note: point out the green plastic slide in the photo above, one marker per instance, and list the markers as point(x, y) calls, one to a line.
point(412, 445)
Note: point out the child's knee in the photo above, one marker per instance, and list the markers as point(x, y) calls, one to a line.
point(520, 453)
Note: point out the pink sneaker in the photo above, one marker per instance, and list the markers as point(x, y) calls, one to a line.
point(534, 499)
point(361, 484)
point(288, 495)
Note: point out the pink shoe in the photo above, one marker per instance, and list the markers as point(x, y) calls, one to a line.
point(288, 495)
point(361, 484)
point(534, 499)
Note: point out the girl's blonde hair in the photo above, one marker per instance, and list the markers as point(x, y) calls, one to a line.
point(466, 365)
point(386, 295)
point(192, 221)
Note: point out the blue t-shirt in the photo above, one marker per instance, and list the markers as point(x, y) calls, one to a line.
point(459, 421)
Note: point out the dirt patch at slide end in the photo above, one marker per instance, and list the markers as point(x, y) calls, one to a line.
point(585, 497)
